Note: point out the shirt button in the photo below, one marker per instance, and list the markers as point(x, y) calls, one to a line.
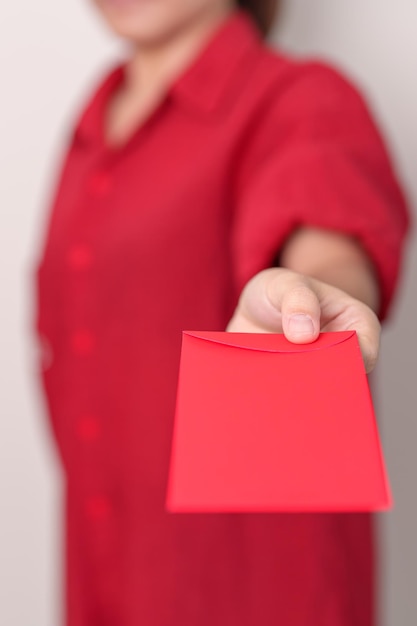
point(82, 342)
point(99, 184)
point(88, 428)
point(98, 508)
point(79, 257)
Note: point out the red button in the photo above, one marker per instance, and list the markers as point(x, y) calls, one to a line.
point(99, 184)
point(98, 508)
point(88, 428)
point(82, 342)
point(79, 257)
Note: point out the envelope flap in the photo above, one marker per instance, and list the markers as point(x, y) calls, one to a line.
point(270, 342)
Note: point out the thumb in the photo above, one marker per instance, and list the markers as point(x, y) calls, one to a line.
point(300, 307)
point(279, 300)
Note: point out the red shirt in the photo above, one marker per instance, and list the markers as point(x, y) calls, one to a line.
point(161, 235)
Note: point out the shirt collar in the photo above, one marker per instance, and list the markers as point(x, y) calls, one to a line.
point(211, 78)
point(202, 88)
point(89, 129)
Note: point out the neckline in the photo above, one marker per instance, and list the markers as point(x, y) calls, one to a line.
point(201, 88)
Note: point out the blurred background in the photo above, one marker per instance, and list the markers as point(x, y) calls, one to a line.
point(50, 54)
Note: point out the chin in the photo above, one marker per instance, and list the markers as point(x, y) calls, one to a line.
point(144, 22)
point(137, 33)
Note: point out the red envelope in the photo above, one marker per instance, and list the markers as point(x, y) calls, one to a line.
point(263, 424)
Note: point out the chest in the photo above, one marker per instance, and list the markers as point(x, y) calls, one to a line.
point(170, 189)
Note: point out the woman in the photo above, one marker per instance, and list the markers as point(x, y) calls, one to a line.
point(205, 168)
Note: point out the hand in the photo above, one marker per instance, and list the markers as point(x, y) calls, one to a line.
point(279, 300)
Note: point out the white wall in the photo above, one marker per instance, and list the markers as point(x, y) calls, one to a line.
point(374, 40)
point(49, 53)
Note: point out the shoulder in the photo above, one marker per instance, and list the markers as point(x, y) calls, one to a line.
point(304, 86)
point(306, 102)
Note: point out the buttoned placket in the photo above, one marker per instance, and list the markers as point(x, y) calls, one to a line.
point(102, 499)
point(83, 343)
point(87, 425)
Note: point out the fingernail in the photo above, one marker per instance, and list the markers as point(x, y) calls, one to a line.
point(300, 325)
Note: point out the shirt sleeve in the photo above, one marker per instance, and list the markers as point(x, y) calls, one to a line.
point(316, 159)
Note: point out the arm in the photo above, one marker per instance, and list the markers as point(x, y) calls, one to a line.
point(325, 282)
point(318, 162)
point(335, 259)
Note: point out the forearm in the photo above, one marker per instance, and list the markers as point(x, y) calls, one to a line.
point(333, 259)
